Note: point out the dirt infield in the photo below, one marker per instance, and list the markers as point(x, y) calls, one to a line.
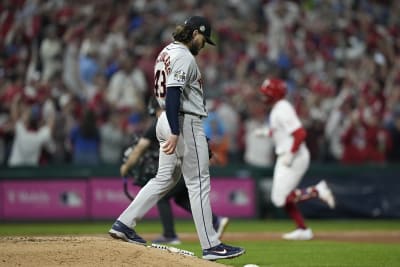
point(103, 251)
point(347, 236)
point(85, 251)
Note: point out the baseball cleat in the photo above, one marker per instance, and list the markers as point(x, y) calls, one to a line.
point(220, 226)
point(125, 233)
point(299, 234)
point(222, 251)
point(167, 240)
point(325, 194)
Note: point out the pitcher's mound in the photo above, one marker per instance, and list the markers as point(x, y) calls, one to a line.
point(88, 251)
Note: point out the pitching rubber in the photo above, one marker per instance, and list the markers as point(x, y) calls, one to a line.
point(173, 249)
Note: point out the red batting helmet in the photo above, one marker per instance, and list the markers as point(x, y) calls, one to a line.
point(274, 89)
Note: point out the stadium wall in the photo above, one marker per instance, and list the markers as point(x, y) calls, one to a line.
point(239, 191)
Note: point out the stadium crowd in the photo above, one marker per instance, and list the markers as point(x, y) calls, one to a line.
point(76, 76)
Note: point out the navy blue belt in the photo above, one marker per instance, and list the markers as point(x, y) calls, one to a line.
point(190, 113)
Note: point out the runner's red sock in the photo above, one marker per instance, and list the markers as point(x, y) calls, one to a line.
point(295, 214)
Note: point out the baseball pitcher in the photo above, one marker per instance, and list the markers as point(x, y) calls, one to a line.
point(183, 145)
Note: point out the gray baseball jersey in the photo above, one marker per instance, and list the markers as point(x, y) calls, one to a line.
point(176, 66)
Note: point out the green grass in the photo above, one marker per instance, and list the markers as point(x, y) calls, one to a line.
point(151, 226)
point(313, 254)
point(277, 253)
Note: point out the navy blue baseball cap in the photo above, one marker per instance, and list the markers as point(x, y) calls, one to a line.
point(202, 25)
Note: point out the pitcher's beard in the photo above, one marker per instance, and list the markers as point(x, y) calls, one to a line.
point(193, 48)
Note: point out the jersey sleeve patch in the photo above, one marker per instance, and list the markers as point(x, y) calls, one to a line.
point(179, 76)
